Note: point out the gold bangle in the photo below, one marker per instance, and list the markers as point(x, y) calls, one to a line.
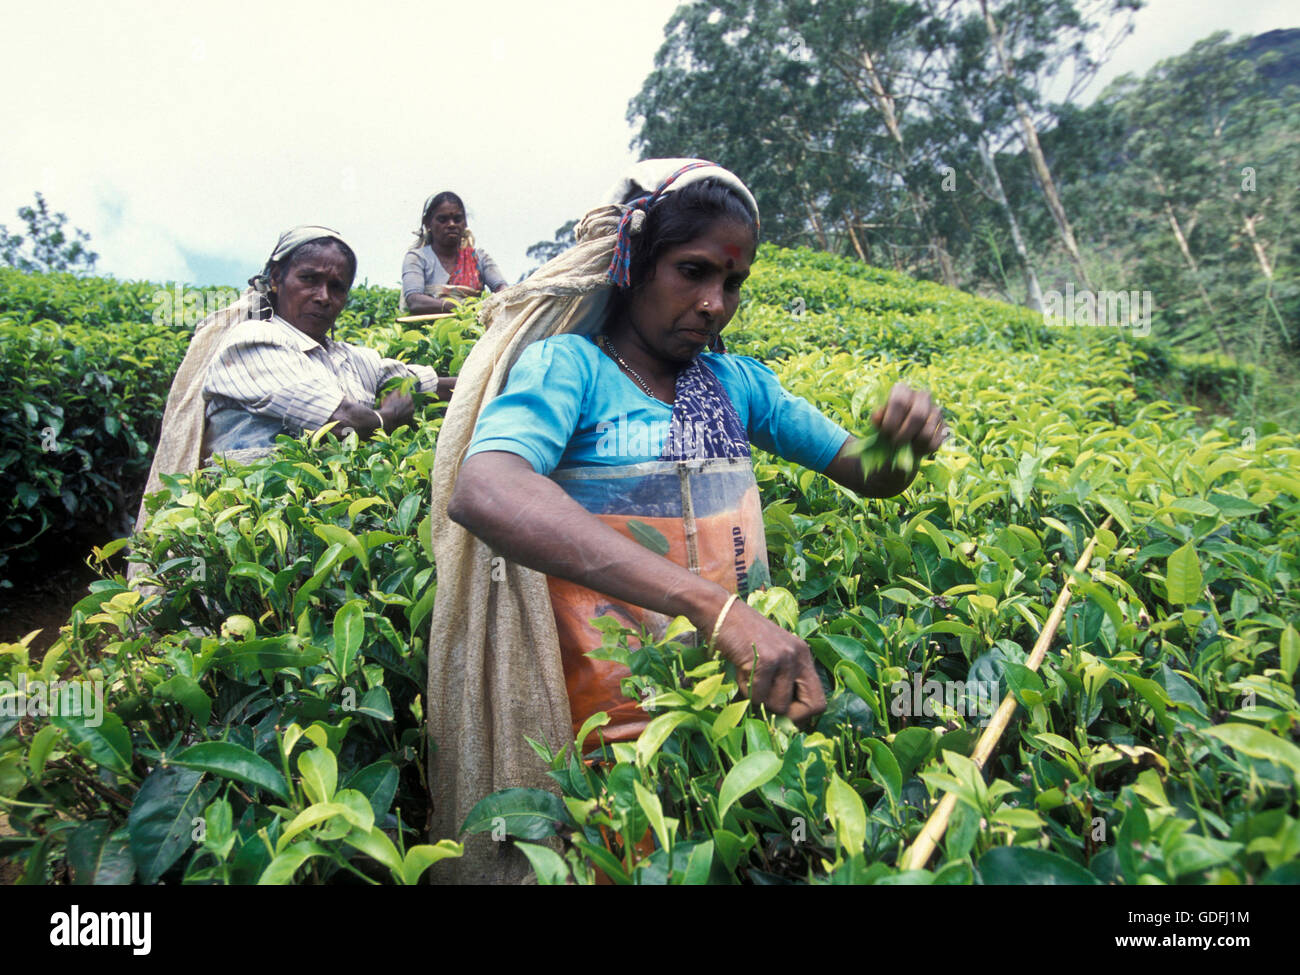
point(717, 627)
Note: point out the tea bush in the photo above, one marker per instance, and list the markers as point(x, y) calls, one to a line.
point(87, 370)
point(1156, 744)
point(79, 414)
point(263, 682)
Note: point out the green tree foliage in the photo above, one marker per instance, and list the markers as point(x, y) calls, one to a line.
point(1203, 212)
point(45, 246)
point(735, 82)
point(922, 135)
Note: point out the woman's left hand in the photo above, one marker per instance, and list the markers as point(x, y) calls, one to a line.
point(398, 409)
point(910, 416)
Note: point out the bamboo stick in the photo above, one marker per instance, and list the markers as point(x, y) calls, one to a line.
point(916, 856)
point(412, 319)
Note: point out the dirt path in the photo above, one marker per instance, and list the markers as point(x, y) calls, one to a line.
point(45, 604)
point(9, 871)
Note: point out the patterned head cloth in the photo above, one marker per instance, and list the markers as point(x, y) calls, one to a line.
point(685, 172)
point(289, 242)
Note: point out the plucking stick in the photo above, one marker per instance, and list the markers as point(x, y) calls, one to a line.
point(916, 856)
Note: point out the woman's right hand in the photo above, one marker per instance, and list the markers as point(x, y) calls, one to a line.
point(775, 667)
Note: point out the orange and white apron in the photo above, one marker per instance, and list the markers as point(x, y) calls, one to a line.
point(698, 506)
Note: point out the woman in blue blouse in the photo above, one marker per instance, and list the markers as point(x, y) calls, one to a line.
point(618, 464)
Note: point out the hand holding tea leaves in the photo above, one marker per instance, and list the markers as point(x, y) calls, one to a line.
point(881, 464)
point(397, 409)
point(911, 424)
point(774, 667)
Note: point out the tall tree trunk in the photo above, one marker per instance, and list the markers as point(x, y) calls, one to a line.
point(1035, 151)
point(853, 236)
point(1248, 225)
point(1190, 260)
point(818, 229)
point(946, 267)
point(885, 102)
point(1033, 290)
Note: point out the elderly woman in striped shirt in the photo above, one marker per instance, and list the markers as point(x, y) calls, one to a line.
point(285, 374)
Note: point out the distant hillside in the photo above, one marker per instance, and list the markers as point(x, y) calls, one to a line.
point(1283, 71)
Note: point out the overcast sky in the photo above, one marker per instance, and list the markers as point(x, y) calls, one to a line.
point(185, 137)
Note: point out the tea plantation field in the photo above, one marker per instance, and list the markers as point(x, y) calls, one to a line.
point(263, 679)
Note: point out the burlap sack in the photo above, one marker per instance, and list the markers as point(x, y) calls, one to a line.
point(494, 661)
point(180, 440)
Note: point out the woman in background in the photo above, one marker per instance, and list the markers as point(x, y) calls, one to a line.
point(285, 373)
point(187, 437)
point(444, 265)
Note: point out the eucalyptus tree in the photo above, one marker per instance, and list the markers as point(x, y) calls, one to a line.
point(734, 83)
point(874, 47)
point(1221, 183)
point(966, 112)
point(1031, 42)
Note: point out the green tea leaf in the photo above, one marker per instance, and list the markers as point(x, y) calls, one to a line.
point(1289, 650)
point(912, 747)
point(1258, 743)
point(549, 866)
point(649, 536)
point(848, 815)
point(234, 762)
point(187, 692)
point(320, 774)
point(349, 629)
point(421, 858)
point(100, 856)
point(1183, 576)
point(528, 814)
point(163, 817)
point(748, 774)
point(1019, 865)
point(286, 864)
point(657, 732)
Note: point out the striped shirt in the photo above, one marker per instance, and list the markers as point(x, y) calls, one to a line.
point(271, 369)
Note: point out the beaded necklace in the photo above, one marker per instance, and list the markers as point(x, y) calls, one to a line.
point(604, 342)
